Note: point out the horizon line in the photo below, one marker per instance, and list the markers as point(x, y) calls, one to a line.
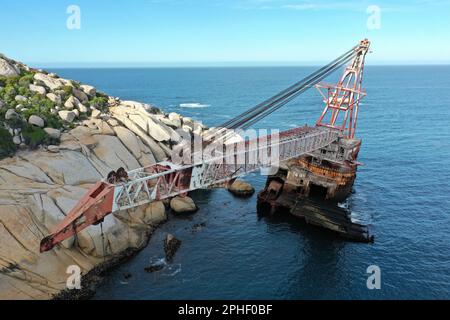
point(128, 65)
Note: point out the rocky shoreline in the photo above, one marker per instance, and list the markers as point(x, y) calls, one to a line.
point(91, 280)
point(58, 138)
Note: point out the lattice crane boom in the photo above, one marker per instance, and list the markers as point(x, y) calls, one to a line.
point(166, 180)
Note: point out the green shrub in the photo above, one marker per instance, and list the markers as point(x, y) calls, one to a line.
point(14, 122)
point(102, 95)
point(34, 136)
point(15, 85)
point(67, 91)
point(53, 121)
point(9, 93)
point(2, 81)
point(9, 81)
point(100, 103)
point(38, 104)
point(24, 91)
point(7, 146)
point(76, 84)
point(26, 80)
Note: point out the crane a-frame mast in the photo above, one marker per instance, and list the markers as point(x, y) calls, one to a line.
point(342, 100)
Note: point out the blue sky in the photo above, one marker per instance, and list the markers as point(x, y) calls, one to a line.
point(222, 32)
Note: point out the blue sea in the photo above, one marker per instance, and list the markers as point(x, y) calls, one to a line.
point(402, 191)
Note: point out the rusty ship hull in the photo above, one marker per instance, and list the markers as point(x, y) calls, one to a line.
point(310, 187)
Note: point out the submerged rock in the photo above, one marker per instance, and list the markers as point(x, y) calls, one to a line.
point(171, 246)
point(127, 275)
point(198, 227)
point(155, 267)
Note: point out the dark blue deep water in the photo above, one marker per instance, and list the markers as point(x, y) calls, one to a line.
point(402, 191)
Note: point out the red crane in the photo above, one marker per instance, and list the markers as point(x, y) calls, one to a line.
point(342, 100)
point(165, 180)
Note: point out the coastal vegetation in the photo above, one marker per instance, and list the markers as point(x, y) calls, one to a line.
point(34, 101)
point(7, 146)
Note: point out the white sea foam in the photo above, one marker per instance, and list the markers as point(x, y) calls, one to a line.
point(343, 205)
point(156, 261)
point(172, 270)
point(193, 105)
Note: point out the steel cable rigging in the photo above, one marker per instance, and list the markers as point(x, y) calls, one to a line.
point(265, 108)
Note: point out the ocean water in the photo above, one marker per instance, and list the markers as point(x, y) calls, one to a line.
point(402, 191)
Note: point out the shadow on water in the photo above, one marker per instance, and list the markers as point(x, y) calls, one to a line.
point(298, 225)
point(320, 258)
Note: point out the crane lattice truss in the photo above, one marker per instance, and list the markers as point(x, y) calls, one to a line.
point(342, 100)
point(165, 180)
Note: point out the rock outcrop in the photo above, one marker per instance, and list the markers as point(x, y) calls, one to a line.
point(241, 188)
point(7, 69)
point(48, 81)
point(183, 205)
point(171, 246)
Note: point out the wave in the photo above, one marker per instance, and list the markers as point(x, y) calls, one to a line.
point(160, 264)
point(193, 105)
point(172, 270)
point(156, 261)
